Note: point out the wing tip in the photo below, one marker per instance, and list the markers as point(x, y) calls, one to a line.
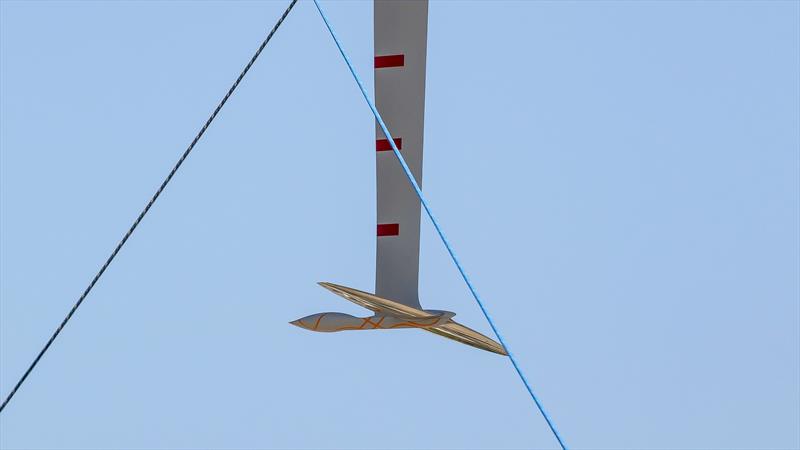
point(465, 335)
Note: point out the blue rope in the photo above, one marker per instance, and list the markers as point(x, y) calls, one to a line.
point(413, 182)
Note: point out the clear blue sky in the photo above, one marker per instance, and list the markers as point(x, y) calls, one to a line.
point(620, 179)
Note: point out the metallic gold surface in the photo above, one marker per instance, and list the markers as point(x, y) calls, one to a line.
point(451, 329)
point(373, 302)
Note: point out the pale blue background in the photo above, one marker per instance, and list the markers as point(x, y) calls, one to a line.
point(621, 180)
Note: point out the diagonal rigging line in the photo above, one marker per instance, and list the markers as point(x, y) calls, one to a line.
point(416, 187)
point(149, 204)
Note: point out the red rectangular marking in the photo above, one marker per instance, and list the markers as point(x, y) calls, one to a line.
point(384, 61)
point(388, 229)
point(382, 145)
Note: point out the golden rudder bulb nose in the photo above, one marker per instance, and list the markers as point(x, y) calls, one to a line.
point(298, 323)
point(329, 322)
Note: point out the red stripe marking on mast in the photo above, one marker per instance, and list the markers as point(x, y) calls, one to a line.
point(388, 229)
point(385, 61)
point(383, 145)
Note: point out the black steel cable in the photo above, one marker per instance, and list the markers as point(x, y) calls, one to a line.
point(149, 205)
